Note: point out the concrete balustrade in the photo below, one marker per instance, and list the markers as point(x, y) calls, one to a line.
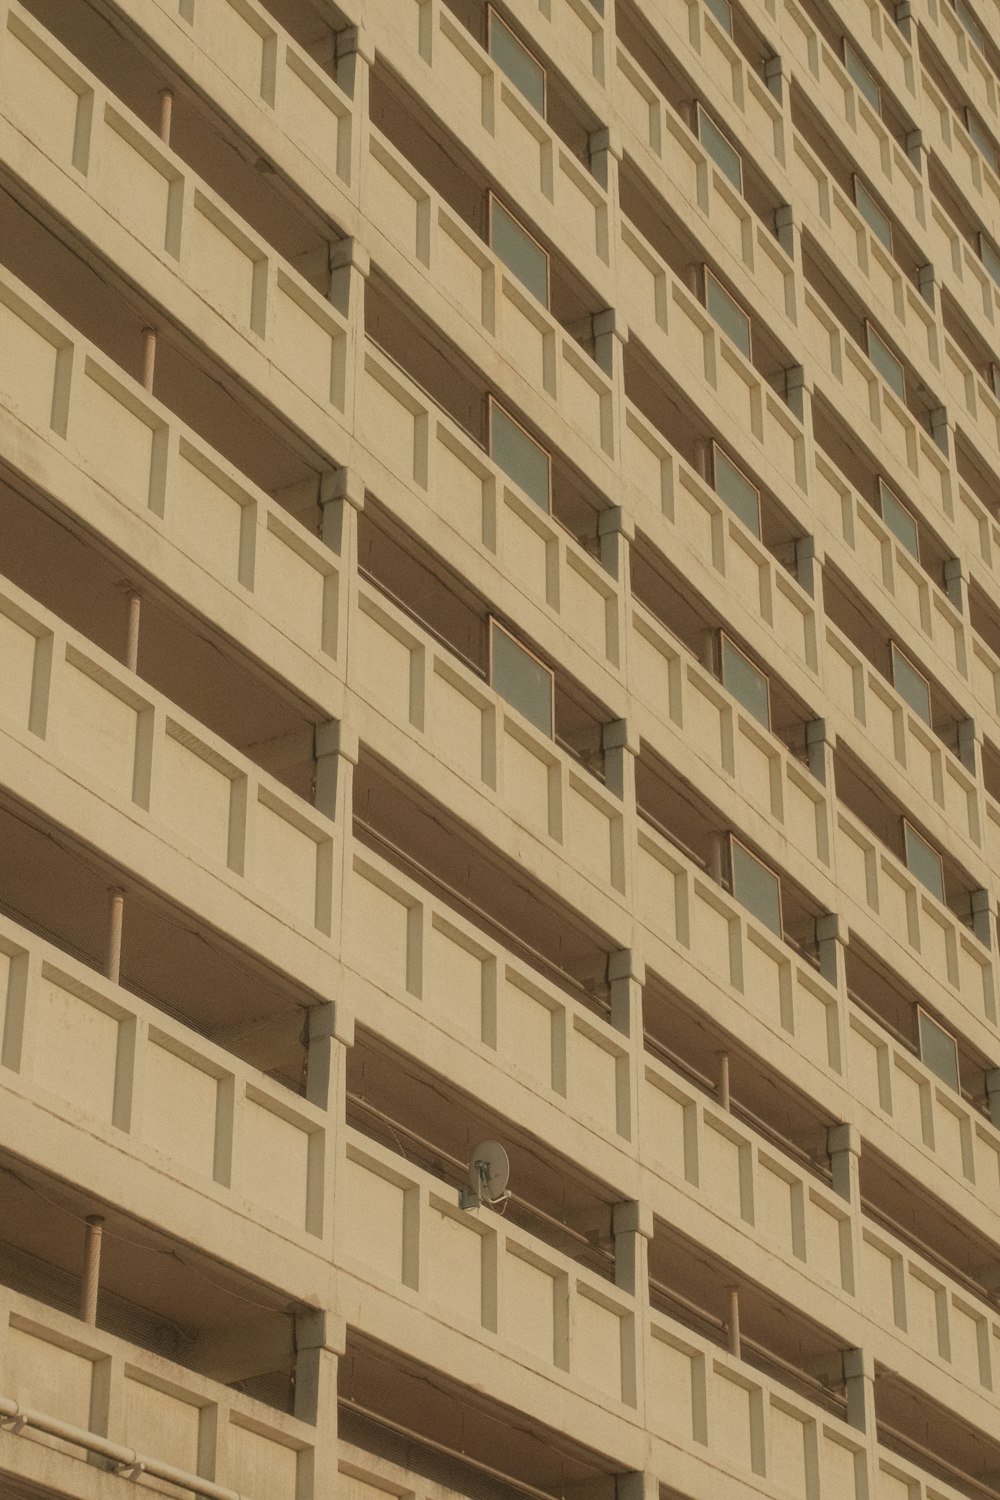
point(880, 719)
point(434, 53)
point(222, 280)
point(892, 905)
point(976, 78)
point(565, 1321)
point(62, 388)
point(961, 158)
point(411, 441)
point(226, 1137)
point(681, 335)
point(68, 706)
point(414, 683)
point(728, 561)
point(969, 396)
point(687, 702)
point(114, 1389)
point(456, 261)
point(440, 966)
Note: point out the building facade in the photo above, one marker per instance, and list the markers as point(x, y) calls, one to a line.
point(499, 657)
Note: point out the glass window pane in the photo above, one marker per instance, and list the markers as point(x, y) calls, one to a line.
point(938, 1049)
point(885, 362)
point(860, 75)
point(720, 149)
point(990, 258)
point(520, 253)
point(748, 685)
point(970, 23)
point(878, 222)
point(727, 312)
point(923, 861)
point(981, 137)
point(723, 13)
point(911, 685)
point(513, 58)
point(519, 456)
point(521, 679)
point(755, 886)
point(733, 486)
point(898, 519)
point(994, 378)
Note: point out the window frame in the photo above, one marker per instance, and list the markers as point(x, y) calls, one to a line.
point(733, 841)
point(493, 403)
point(701, 113)
point(896, 653)
point(970, 25)
point(924, 1015)
point(911, 829)
point(497, 625)
point(848, 49)
point(493, 200)
point(717, 448)
point(881, 488)
point(726, 640)
point(493, 15)
point(725, 7)
point(980, 136)
point(707, 276)
point(859, 185)
point(988, 254)
point(872, 332)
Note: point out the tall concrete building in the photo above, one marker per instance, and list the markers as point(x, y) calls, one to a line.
point(499, 749)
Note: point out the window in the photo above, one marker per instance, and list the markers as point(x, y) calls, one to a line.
point(520, 252)
point(862, 77)
point(923, 861)
point(877, 220)
point(885, 362)
point(980, 137)
point(720, 148)
point(513, 58)
point(911, 685)
point(727, 312)
point(521, 679)
point(989, 256)
point(733, 486)
point(723, 13)
point(520, 457)
point(898, 519)
point(993, 378)
point(938, 1049)
point(746, 682)
point(970, 23)
point(755, 886)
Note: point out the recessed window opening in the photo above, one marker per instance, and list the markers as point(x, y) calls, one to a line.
point(923, 861)
point(898, 519)
point(739, 493)
point(970, 23)
point(519, 250)
point(731, 317)
point(938, 1049)
point(885, 362)
point(876, 218)
point(989, 255)
point(520, 457)
point(861, 76)
point(911, 684)
point(755, 886)
point(514, 59)
point(526, 683)
point(719, 147)
point(980, 136)
point(723, 13)
point(747, 683)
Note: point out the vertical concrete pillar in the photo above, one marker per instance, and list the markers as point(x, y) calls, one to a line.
point(91, 1279)
point(616, 533)
point(632, 1226)
point(831, 940)
point(341, 500)
point(350, 265)
point(355, 54)
point(843, 1143)
point(819, 751)
point(336, 751)
point(329, 1028)
point(320, 1341)
point(626, 977)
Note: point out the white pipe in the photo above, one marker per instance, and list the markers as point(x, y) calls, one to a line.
point(91, 1269)
point(166, 114)
point(148, 358)
point(13, 1414)
point(132, 630)
point(116, 907)
point(733, 1326)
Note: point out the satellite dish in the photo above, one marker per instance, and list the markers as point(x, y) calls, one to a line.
point(489, 1170)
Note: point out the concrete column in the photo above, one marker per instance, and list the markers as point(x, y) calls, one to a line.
point(831, 939)
point(329, 1028)
point(632, 1227)
point(616, 533)
point(336, 750)
point(820, 745)
point(621, 748)
point(956, 584)
point(859, 1378)
point(843, 1142)
point(355, 54)
point(787, 230)
point(626, 977)
point(320, 1341)
point(350, 265)
point(982, 917)
point(341, 499)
